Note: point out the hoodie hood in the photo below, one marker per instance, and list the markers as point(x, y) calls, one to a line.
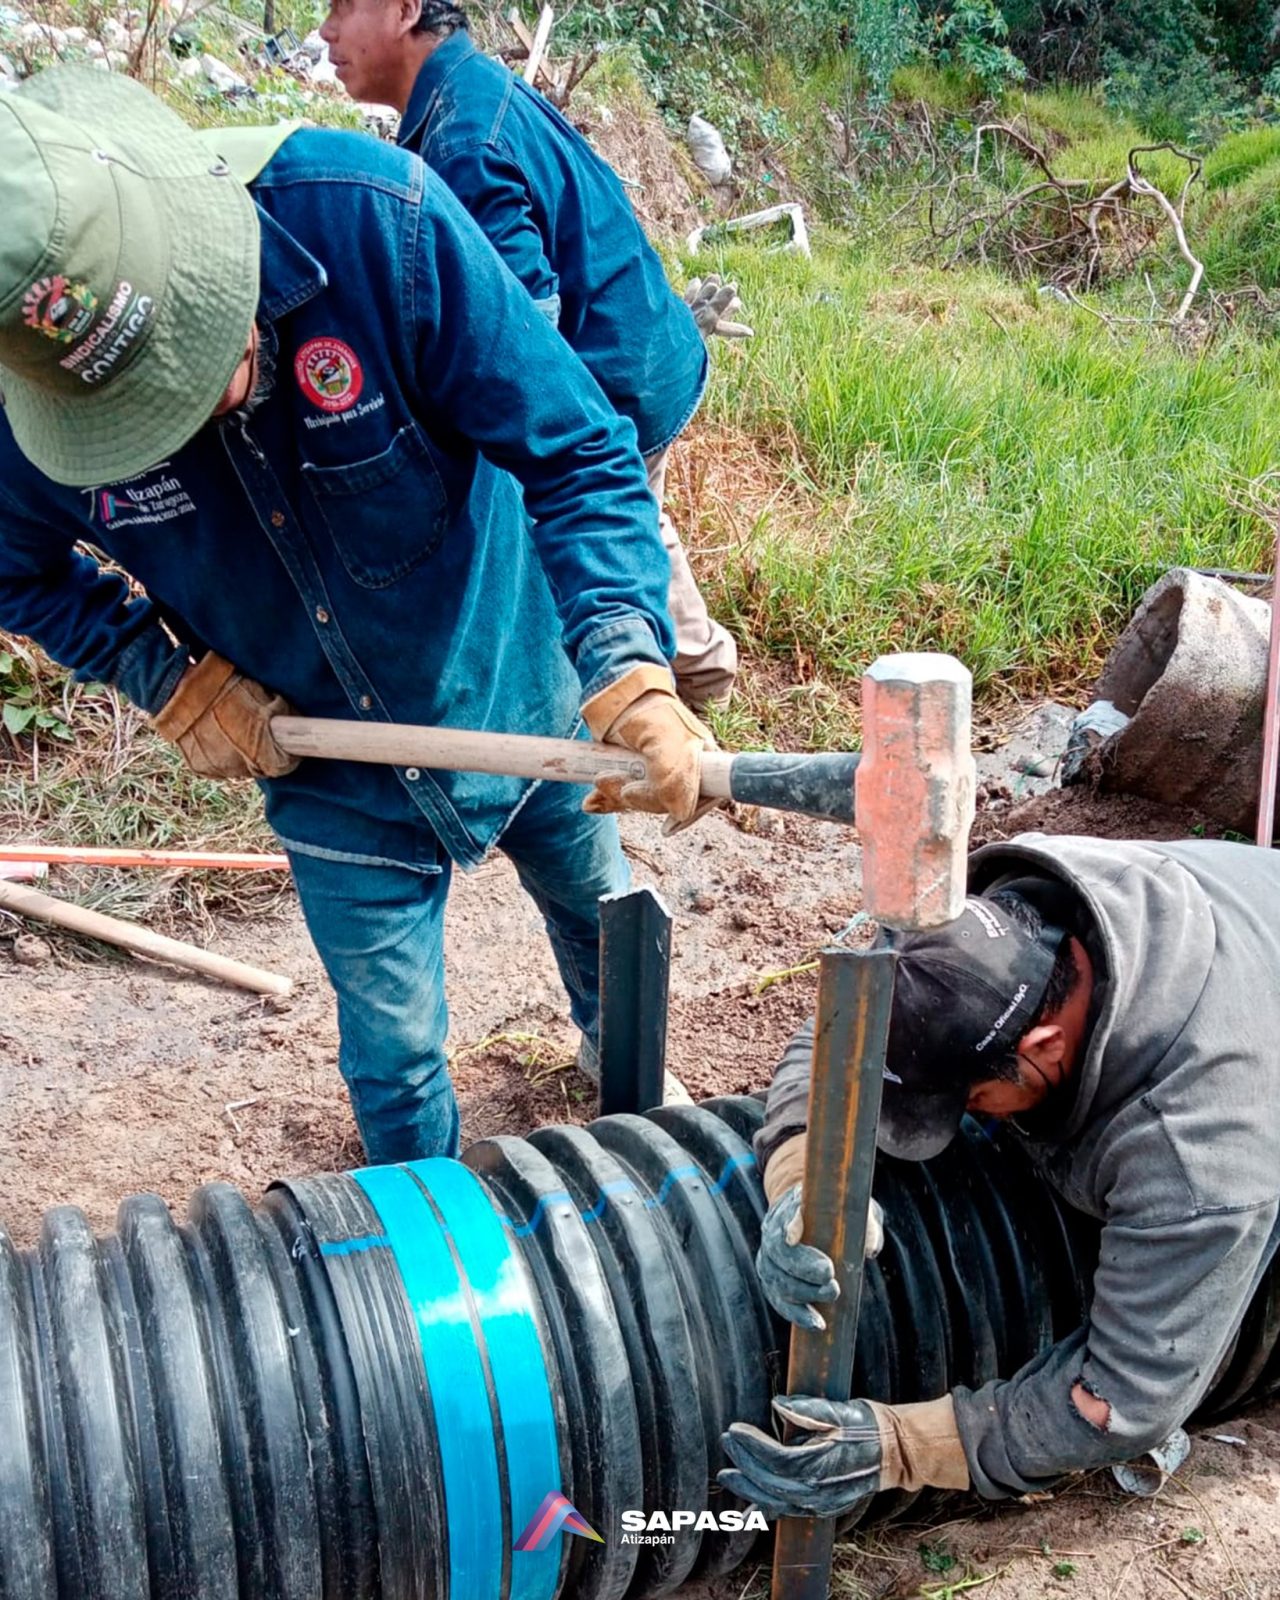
point(1156, 925)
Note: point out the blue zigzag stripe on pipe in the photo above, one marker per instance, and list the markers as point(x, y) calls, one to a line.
point(562, 1197)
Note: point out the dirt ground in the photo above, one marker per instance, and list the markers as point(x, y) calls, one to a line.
point(123, 1076)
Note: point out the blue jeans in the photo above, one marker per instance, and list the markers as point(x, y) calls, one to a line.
point(379, 929)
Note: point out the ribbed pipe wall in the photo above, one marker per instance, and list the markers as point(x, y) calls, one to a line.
point(364, 1388)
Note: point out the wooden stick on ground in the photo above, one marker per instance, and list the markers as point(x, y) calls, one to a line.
point(141, 941)
point(187, 860)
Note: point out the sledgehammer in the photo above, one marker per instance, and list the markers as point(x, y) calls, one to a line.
point(915, 807)
point(813, 785)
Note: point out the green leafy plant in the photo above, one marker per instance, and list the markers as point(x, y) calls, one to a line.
point(885, 33)
point(22, 709)
point(936, 1558)
point(1064, 1569)
point(973, 36)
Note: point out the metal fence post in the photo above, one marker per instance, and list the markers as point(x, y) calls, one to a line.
point(635, 973)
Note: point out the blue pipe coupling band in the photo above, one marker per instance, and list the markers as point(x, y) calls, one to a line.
point(486, 1370)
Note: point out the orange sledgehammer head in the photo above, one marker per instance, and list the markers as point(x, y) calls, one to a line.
point(915, 789)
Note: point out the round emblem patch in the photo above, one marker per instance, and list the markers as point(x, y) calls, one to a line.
point(59, 308)
point(329, 374)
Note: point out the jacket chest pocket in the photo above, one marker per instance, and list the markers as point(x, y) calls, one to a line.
point(386, 515)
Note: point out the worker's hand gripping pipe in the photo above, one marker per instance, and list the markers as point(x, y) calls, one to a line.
point(915, 797)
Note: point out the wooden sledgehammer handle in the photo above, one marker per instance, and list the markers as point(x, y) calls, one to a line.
point(141, 941)
point(813, 785)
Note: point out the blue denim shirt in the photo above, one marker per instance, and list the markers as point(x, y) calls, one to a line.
point(347, 543)
point(557, 215)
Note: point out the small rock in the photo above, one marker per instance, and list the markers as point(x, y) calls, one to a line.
point(95, 50)
point(114, 34)
point(29, 950)
point(702, 901)
point(42, 37)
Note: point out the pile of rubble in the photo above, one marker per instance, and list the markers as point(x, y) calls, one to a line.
point(276, 73)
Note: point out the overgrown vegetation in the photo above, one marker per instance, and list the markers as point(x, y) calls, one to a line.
point(972, 468)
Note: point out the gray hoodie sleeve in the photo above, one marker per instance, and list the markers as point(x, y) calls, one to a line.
point(1167, 1299)
point(787, 1108)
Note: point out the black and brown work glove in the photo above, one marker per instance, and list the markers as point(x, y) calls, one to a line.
point(221, 722)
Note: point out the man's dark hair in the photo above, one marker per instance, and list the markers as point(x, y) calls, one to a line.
point(441, 18)
point(1062, 980)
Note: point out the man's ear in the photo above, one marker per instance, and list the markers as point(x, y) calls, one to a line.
point(1045, 1045)
point(410, 11)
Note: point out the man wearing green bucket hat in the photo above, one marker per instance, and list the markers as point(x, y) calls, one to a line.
point(284, 382)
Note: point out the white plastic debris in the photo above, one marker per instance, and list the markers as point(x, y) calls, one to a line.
point(321, 69)
point(220, 75)
point(1093, 727)
point(1228, 1438)
point(708, 151)
point(1147, 1475)
point(798, 244)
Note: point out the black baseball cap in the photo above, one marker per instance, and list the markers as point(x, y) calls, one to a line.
point(963, 996)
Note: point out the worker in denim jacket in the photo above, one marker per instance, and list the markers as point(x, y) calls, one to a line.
point(283, 381)
point(558, 216)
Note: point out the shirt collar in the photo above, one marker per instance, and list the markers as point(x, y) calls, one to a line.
point(443, 60)
point(290, 275)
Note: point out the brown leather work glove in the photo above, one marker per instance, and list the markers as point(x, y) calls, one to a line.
point(221, 722)
point(642, 711)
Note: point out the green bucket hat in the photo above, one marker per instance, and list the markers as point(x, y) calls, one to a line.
point(128, 275)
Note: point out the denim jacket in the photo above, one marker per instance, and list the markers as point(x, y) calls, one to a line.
point(558, 216)
point(345, 541)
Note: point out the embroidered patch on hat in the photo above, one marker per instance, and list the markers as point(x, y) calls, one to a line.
point(329, 374)
point(59, 308)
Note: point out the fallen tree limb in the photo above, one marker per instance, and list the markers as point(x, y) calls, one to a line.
point(1073, 232)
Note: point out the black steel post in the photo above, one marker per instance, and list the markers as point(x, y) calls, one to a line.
point(855, 994)
point(635, 972)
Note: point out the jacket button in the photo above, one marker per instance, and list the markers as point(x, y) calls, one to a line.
point(321, 614)
point(277, 519)
point(366, 702)
point(412, 773)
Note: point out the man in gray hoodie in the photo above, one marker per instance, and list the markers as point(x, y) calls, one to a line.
point(1119, 1004)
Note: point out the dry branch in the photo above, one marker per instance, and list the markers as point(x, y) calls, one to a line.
point(1071, 233)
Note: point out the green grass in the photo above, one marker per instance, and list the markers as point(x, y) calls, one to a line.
point(1240, 154)
point(1066, 115)
point(986, 472)
point(1241, 241)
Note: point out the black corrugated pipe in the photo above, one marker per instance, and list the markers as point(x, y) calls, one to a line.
point(399, 1383)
